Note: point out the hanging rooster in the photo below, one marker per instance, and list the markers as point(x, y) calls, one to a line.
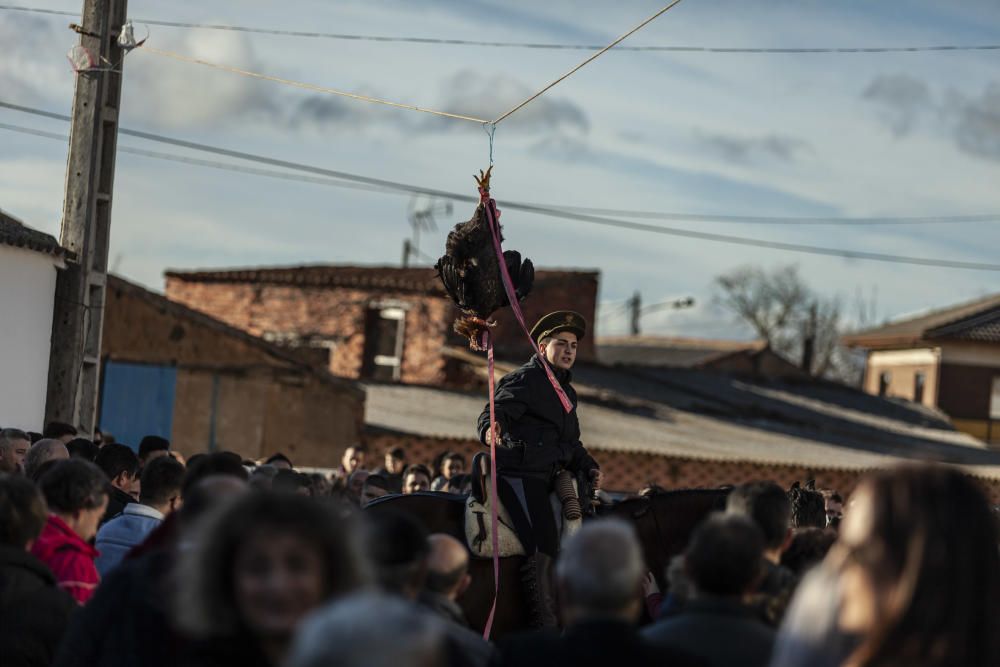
point(471, 274)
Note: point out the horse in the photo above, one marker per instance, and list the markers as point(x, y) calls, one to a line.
point(663, 521)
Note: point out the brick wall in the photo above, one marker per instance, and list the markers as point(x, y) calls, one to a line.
point(262, 411)
point(552, 291)
point(629, 472)
point(334, 316)
point(264, 399)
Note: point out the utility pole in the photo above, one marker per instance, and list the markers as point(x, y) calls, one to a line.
point(809, 339)
point(635, 308)
point(75, 358)
point(407, 250)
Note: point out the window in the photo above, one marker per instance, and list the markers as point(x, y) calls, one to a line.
point(884, 379)
point(383, 343)
point(995, 398)
point(919, 379)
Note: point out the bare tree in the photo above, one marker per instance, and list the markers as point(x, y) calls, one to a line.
point(793, 320)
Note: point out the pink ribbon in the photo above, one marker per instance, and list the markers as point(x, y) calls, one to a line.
point(493, 217)
point(494, 518)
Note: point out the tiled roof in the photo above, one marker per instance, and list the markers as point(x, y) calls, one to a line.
point(945, 322)
point(283, 354)
point(668, 350)
point(981, 328)
point(334, 275)
point(712, 416)
point(14, 233)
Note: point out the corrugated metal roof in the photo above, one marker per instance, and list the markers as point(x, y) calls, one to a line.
point(667, 350)
point(710, 416)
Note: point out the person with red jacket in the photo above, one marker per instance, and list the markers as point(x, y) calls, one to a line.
point(77, 494)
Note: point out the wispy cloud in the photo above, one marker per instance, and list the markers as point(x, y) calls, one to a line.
point(472, 93)
point(977, 123)
point(751, 150)
point(901, 98)
point(973, 121)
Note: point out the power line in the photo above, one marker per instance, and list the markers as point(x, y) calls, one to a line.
point(550, 210)
point(532, 45)
point(782, 220)
point(492, 124)
point(213, 164)
point(346, 179)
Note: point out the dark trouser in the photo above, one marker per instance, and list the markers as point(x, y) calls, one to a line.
point(527, 502)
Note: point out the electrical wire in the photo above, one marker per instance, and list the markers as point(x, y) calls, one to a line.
point(782, 220)
point(346, 179)
point(532, 45)
point(489, 124)
point(554, 212)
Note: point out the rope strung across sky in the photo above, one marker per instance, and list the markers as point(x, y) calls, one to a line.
point(310, 86)
point(530, 45)
point(410, 107)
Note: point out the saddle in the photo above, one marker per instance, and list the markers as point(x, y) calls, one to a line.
point(478, 523)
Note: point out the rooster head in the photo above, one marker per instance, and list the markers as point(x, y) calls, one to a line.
point(483, 180)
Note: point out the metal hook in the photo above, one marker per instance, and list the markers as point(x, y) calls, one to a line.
point(490, 129)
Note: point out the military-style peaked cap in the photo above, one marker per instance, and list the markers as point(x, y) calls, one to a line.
point(561, 320)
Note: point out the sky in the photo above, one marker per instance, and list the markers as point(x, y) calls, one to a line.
point(845, 135)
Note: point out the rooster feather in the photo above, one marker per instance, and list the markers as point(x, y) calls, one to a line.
point(471, 274)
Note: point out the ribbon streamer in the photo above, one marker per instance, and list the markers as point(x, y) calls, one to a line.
point(494, 510)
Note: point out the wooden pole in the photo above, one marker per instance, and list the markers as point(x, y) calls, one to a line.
point(74, 361)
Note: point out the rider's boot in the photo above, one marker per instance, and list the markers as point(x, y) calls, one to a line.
point(536, 576)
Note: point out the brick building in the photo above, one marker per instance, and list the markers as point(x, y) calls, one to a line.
point(947, 358)
point(371, 322)
point(171, 371)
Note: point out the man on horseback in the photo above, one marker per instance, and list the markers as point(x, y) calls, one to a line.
point(538, 447)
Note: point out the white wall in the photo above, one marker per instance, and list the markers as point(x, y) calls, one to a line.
point(27, 294)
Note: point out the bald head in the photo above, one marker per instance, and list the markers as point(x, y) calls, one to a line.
point(48, 449)
point(447, 566)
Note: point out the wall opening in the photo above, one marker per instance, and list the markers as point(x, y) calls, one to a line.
point(383, 355)
point(884, 379)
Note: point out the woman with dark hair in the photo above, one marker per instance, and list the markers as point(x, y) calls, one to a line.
point(260, 566)
point(913, 580)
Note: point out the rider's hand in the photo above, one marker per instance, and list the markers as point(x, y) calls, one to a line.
point(649, 585)
point(596, 478)
point(489, 435)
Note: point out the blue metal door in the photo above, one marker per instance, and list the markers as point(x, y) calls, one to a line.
point(137, 400)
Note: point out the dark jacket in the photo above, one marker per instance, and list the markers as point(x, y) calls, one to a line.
point(719, 630)
point(394, 483)
point(539, 436)
point(34, 612)
point(444, 606)
point(774, 593)
point(601, 643)
point(117, 500)
point(127, 622)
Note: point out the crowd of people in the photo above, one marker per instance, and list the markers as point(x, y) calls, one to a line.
point(111, 555)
